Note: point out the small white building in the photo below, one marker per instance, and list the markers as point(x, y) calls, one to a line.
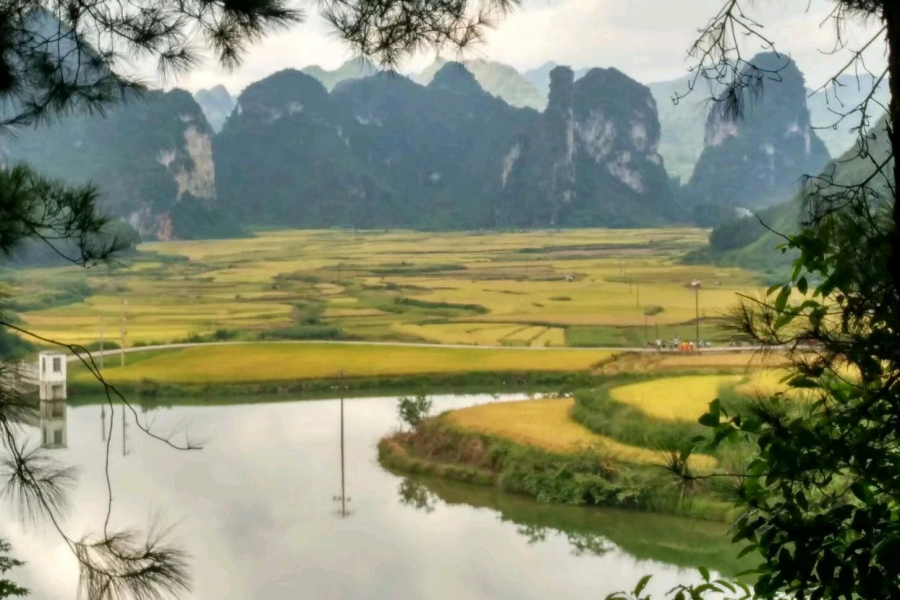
point(52, 375)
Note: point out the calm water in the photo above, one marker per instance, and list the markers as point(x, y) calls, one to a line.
point(257, 510)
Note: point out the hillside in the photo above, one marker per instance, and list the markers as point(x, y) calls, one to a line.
point(745, 242)
point(151, 157)
point(380, 151)
point(383, 151)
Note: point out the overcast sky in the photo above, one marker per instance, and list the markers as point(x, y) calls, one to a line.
point(647, 39)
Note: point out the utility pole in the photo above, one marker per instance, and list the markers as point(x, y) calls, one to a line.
point(695, 286)
point(637, 302)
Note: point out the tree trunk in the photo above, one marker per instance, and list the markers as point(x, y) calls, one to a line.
point(891, 13)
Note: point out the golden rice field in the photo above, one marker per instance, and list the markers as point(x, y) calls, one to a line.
point(293, 361)
point(684, 398)
point(547, 424)
point(540, 288)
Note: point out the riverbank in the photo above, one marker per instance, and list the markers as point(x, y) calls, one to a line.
point(589, 476)
point(612, 444)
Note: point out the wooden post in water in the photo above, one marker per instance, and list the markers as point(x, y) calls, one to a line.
point(122, 333)
point(101, 343)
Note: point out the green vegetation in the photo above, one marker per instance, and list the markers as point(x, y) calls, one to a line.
point(583, 477)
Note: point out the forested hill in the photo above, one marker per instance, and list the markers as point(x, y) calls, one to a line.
point(383, 151)
point(359, 148)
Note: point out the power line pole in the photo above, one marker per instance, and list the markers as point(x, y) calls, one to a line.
point(695, 286)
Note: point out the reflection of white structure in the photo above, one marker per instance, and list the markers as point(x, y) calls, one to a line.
point(52, 375)
point(54, 433)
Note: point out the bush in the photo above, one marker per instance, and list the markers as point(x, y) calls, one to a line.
point(303, 332)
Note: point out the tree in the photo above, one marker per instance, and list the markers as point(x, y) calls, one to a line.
point(8, 589)
point(413, 409)
point(820, 491)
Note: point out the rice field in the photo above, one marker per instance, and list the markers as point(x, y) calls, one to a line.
point(296, 361)
point(684, 398)
point(539, 289)
point(547, 424)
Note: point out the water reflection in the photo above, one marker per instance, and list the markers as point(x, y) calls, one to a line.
point(588, 531)
point(53, 424)
point(255, 510)
point(342, 497)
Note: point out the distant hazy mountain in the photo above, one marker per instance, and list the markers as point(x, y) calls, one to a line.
point(217, 105)
point(826, 106)
point(355, 68)
point(683, 125)
point(540, 77)
point(151, 157)
point(745, 242)
point(495, 78)
point(591, 159)
point(758, 160)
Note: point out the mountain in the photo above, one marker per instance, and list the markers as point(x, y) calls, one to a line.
point(757, 160)
point(217, 105)
point(150, 156)
point(381, 151)
point(355, 68)
point(681, 142)
point(540, 77)
point(495, 78)
point(745, 242)
point(825, 107)
point(590, 159)
point(284, 158)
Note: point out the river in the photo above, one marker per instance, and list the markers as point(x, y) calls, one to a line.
point(259, 510)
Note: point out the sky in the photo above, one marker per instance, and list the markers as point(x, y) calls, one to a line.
point(646, 39)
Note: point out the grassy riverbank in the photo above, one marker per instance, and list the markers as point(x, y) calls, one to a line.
point(606, 446)
point(581, 477)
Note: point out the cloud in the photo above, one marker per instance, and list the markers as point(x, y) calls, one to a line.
point(646, 39)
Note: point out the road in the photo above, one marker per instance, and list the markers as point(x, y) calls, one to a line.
point(117, 351)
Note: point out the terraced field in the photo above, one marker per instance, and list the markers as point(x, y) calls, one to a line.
point(551, 288)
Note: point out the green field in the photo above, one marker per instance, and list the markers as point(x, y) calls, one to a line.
point(539, 289)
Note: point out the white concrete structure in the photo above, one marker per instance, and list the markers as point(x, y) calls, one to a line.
point(52, 375)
